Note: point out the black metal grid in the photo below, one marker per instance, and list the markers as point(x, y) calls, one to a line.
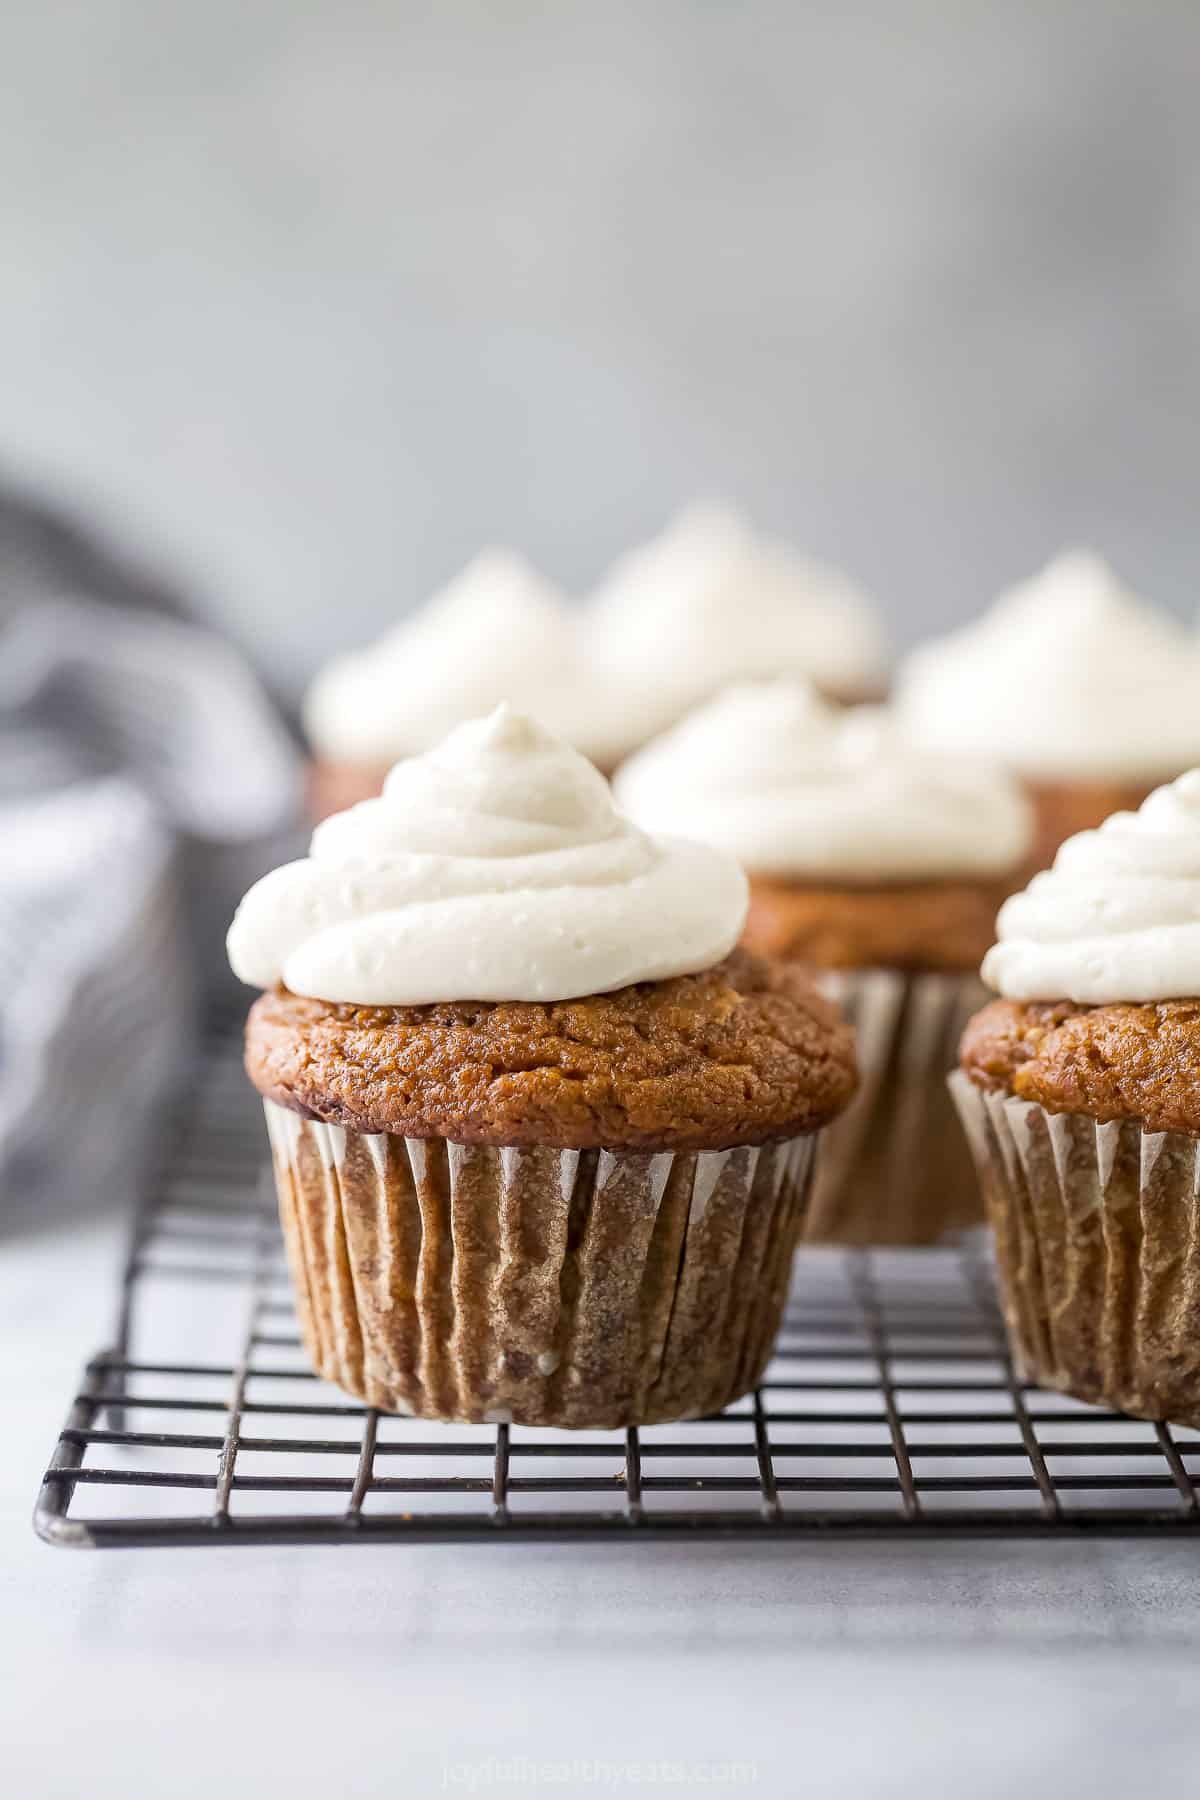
point(890, 1405)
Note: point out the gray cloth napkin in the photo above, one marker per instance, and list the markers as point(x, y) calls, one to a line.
point(145, 781)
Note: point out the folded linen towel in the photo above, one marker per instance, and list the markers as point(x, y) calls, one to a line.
point(145, 780)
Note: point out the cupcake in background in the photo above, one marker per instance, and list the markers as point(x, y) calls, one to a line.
point(1086, 692)
point(1080, 1093)
point(710, 602)
point(542, 1134)
point(880, 867)
point(498, 631)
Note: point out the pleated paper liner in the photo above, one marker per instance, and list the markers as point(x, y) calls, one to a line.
point(543, 1287)
point(1097, 1234)
point(894, 1168)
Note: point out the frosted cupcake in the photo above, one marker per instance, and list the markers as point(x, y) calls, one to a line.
point(1080, 1091)
point(542, 1136)
point(1089, 694)
point(498, 631)
point(711, 602)
point(881, 867)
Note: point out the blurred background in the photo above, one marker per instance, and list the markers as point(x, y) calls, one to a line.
point(303, 301)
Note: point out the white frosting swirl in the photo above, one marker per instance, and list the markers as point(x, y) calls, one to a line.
point(498, 632)
point(1066, 677)
point(710, 602)
point(1117, 917)
point(493, 868)
point(793, 787)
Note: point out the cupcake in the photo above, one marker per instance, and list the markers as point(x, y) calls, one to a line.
point(880, 868)
point(542, 1135)
point(1080, 1092)
point(499, 630)
point(1087, 693)
point(711, 602)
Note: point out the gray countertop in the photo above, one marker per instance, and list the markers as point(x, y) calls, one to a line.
point(867, 1667)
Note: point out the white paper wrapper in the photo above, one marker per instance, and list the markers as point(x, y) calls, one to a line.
point(1097, 1235)
point(543, 1287)
point(894, 1169)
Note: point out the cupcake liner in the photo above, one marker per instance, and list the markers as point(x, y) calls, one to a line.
point(539, 1286)
point(1097, 1235)
point(894, 1169)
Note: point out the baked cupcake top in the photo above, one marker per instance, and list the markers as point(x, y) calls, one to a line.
point(1067, 677)
point(491, 953)
point(1098, 966)
point(746, 1052)
point(711, 602)
point(815, 794)
point(498, 631)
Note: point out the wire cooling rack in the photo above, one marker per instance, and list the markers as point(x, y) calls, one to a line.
point(890, 1405)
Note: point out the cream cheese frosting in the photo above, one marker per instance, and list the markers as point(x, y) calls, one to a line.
point(1118, 916)
point(794, 787)
point(498, 631)
point(710, 602)
point(495, 867)
point(1067, 677)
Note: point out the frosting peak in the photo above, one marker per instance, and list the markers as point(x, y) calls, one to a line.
point(794, 787)
point(498, 631)
point(496, 579)
point(495, 867)
point(1067, 676)
point(491, 632)
point(1082, 592)
point(712, 601)
point(495, 787)
point(1118, 916)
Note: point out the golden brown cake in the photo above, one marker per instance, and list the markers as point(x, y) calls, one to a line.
point(745, 1053)
point(1110, 1062)
point(920, 926)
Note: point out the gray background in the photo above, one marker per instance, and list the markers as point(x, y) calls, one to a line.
point(312, 296)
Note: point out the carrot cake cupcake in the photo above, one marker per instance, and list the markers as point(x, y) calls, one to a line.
point(1080, 1091)
point(879, 867)
point(711, 602)
point(499, 631)
point(1085, 691)
point(542, 1133)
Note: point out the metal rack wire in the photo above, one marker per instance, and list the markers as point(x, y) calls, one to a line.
point(891, 1405)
